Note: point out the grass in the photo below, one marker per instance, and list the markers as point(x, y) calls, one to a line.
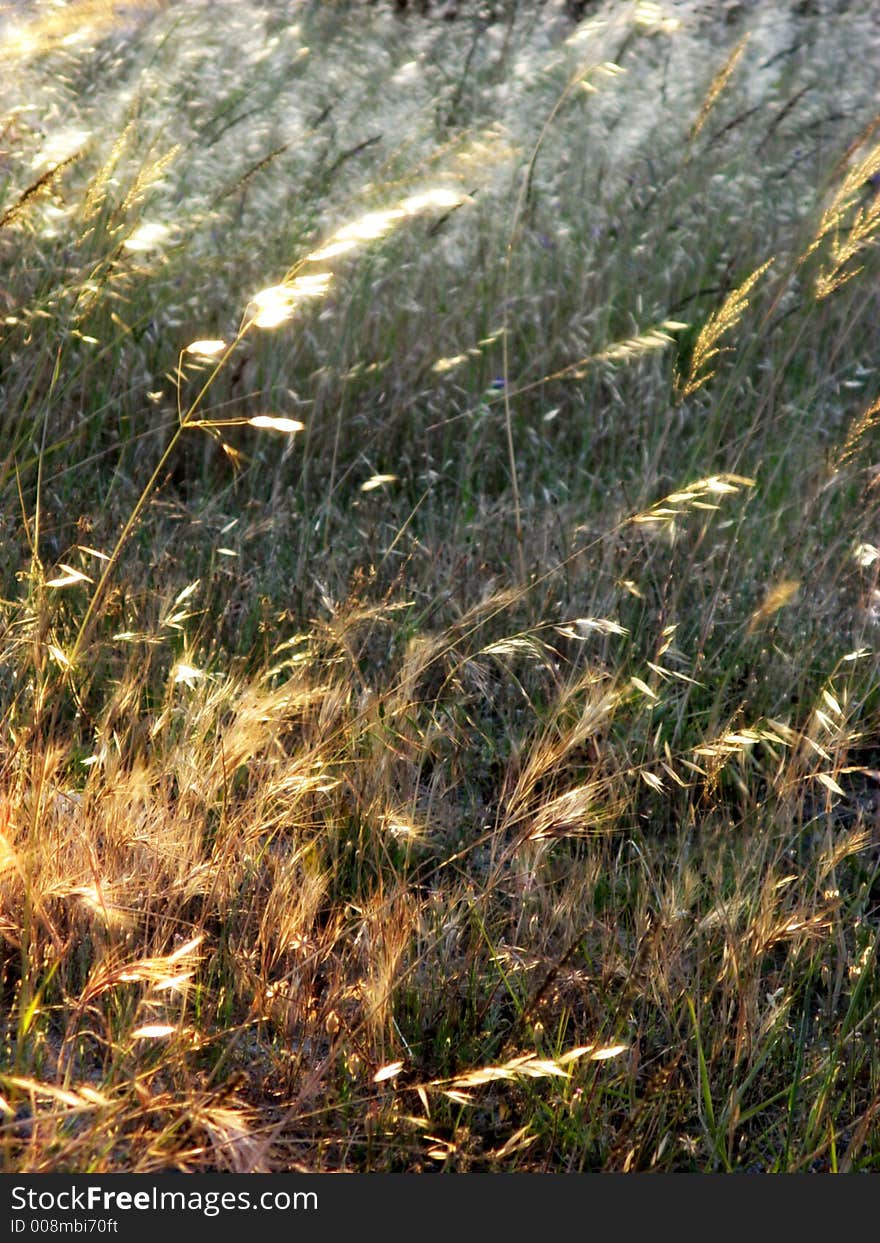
point(438, 634)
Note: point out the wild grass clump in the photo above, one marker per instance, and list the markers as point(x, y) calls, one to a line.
point(439, 590)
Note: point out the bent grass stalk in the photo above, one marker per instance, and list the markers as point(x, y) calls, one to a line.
point(269, 308)
point(448, 837)
point(84, 631)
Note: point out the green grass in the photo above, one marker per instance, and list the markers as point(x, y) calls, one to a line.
point(484, 776)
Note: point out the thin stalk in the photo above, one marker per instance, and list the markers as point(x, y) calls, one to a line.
point(525, 191)
point(131, 521)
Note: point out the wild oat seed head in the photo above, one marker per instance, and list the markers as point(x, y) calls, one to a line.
point(276, 424)
point(276, 304)
point(205, 349)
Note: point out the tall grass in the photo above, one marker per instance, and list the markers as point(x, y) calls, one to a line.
point(439, 590)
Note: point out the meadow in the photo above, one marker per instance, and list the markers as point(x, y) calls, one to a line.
point(439, 604)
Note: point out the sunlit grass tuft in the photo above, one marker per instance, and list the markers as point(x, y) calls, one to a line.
point(440, 688)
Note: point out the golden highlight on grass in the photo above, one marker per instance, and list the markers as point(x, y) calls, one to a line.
point(719, 324)
point(716, 88)
point(851, 222)
point(415, 800)
point(275, 305)
point(43, 184)
point(693, 496)
point(655, 18)
point(276, 423)
point(269, 308)
point(206, 348)
point(54, 27)
point(869, 418)
point(778, 597)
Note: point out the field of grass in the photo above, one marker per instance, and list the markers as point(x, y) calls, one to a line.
point(439, 605)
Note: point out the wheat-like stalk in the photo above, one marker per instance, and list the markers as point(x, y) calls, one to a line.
point(719, 324)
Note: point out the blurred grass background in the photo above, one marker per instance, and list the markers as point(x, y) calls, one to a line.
point(484, 776)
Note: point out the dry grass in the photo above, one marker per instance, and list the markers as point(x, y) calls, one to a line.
point(438, 635)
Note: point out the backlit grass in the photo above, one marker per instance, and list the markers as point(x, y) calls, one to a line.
point(439, 565)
